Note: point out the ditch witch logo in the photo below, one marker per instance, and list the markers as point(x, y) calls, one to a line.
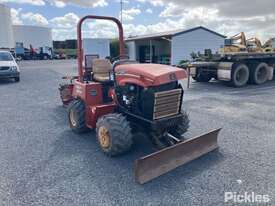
point(247, 197)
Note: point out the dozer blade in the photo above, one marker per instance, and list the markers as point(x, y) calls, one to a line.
point(165, 160)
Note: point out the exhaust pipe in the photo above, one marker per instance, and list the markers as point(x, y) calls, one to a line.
point(165, 160)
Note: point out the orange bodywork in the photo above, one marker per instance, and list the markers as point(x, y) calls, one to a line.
point(147, 75)
point(91, 94)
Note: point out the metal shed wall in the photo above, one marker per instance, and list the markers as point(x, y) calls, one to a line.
point(33, 35)
point(132, 50)
point(6, 33)
point(194, 41)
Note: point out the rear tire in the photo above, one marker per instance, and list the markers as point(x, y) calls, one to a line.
point(114, 134)
point(239, 75)
point(202, 76)
point(181, 128)
point(259, 73)
point(77, 116)
point(65, 94)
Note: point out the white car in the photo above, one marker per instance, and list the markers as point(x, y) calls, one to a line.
point(8, 67)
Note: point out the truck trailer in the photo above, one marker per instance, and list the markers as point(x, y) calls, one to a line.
point(236, 68)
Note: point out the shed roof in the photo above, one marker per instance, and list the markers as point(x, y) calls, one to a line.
point(169, 34)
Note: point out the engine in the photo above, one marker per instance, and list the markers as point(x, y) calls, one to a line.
point(152, 103)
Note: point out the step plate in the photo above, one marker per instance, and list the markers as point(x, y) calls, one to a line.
point(165, 160)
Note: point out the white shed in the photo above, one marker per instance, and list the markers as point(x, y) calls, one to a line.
point(100, 47)
point(37, 36)
point(6, 33)
point(173, 46)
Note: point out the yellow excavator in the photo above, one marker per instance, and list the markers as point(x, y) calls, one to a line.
point(254, 45)
point(269, 46)
point(236, 43)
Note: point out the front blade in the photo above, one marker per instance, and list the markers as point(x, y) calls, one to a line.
point(165, 160)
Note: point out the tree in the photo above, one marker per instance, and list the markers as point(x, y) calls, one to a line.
point(114, 48)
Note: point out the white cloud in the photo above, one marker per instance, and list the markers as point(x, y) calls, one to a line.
point(153, 2)
point(69, 20)
point(129, 14)
point(100, 28)
point(123, 1)
point(61, 3)
point(172, 10)
point(35, 19)
point(57, 3)
point(255, 19)
point(15, 16)
point(33, 2)
point(150, 11)
point(87, 3)
point(63, 34)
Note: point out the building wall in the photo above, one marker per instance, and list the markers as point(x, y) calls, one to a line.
point(195, 41)
point(6, 33)
point(33, 35)
point(99, 47)
point(162, 47)
point(131, 49)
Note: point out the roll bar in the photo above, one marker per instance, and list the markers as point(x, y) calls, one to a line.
point(79, 40)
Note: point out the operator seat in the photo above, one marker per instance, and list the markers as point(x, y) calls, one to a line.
point(101, 70)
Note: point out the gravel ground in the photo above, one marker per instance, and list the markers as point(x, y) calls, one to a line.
point(44, 163)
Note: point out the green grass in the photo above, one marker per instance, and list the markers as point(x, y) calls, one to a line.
point(67, 52)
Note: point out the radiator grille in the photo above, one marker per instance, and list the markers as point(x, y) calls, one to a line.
point(4, 68)
point(167, 103)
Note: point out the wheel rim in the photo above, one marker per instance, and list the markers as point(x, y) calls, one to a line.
point(103, 136)
point(73, 118)
point(241, 76)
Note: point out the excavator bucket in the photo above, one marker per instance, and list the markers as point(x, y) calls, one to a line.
point(165, 160)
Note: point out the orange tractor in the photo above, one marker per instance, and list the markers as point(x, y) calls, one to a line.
point(120, 99)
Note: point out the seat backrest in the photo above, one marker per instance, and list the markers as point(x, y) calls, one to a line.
point(101, 66)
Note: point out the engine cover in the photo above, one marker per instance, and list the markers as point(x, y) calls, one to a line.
point(148, 75)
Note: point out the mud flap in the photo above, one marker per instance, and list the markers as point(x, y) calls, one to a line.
point(165, 160)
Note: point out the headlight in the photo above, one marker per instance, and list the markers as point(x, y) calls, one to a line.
point(14, 68)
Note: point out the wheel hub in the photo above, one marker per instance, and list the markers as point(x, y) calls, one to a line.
point(262, 74)
point(241, 75)
point(104, 138)
point(73, 118)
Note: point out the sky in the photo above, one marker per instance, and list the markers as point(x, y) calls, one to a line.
point(255, 18)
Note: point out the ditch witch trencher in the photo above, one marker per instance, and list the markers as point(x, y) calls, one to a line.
point(120, 99)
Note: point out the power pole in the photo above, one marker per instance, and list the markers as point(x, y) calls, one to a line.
point(121, 9)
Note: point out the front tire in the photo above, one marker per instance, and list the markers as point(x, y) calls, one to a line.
point(17, 79)
point(77, 116)
point(114, 134)
point(202, 76)
point(182, 127)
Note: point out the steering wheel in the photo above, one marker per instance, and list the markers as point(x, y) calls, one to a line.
point(119, 57)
